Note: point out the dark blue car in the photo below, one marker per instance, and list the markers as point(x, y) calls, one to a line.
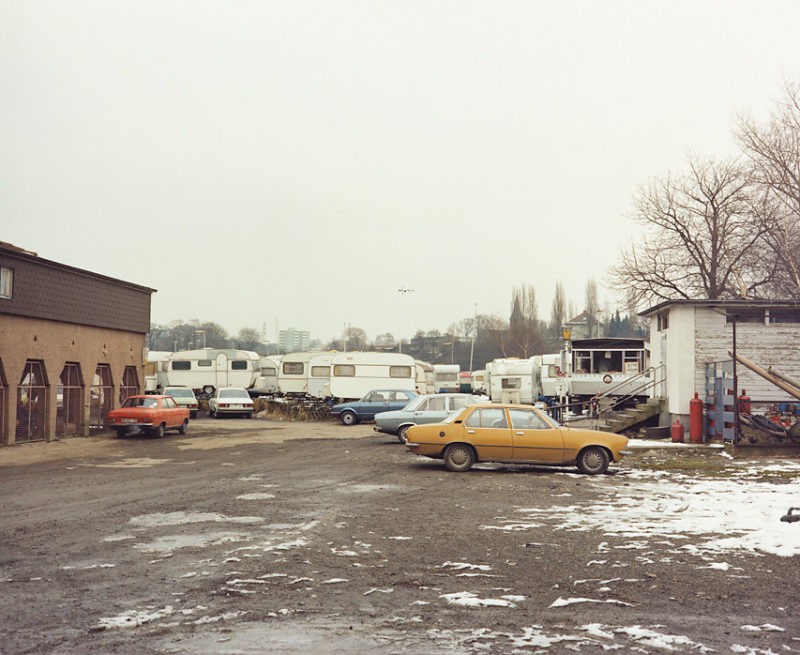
point(379, 400)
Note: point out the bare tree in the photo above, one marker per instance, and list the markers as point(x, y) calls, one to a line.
point(249, 338)
point(701, 233)
point(525, 335)
point(592, 307)
point(354, 338)
point(558, 311)
point(773, 149)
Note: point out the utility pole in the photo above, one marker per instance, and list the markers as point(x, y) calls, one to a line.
point(402, 291)
point(474, 335)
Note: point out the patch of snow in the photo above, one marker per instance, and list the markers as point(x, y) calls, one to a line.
point(460, 566)
point(133, 618)
point(468, 599)
point(563, 602)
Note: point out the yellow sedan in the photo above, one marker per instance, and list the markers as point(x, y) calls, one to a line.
point(519, 434)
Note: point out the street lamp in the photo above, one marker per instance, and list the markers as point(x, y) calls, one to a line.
point(402, 291)
point(566, 335)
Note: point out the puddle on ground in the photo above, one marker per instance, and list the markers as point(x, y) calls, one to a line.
point(168, 544)
point(185, 518)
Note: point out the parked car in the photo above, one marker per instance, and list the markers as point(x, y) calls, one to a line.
point(230, 400)
point(374, 402)
point(185, 397)
point(431, 408)
point(148, 413)
point(513, 433)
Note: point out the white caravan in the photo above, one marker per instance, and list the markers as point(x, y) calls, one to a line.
point(426, 379)
point(294, 373)
point(512, 381)
point(319, 375)
point(267, 381)
point(154, 357)
point(354, 374)
point(208, 369)
point(447, 377)
point(479, 381)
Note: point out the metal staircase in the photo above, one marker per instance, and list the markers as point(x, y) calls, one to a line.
point(611, 413)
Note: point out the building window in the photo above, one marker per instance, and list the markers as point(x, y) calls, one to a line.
point(663, 321)
point(6, 282)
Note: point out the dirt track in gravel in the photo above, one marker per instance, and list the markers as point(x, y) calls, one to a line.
point(260, 536)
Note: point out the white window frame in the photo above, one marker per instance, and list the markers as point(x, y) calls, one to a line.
point(6, 282)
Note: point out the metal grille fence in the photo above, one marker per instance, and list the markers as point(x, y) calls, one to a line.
point(130, 383)
point(69, 401)
point(101, 397)
point(32, 403)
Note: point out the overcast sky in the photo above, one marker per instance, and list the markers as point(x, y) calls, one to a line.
point(294, 164)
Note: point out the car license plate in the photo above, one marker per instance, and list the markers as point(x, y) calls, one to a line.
point(129, 420)
point(237, 405)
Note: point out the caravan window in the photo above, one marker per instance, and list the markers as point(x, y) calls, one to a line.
point(181, 365)
point(510, 383)
point(268, 370)
point(320, 371)
point(399, 371)
point(239, 365)
point(204, 362)
point(293, 368)
point(344, 370)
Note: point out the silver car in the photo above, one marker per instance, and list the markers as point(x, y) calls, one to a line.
point(184, 397)
point(432, 408)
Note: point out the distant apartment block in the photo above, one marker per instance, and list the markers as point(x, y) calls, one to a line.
point(292, 340)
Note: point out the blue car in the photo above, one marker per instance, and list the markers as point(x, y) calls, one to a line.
point(379, 400)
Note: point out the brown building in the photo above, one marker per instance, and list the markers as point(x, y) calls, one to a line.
point(72, 346)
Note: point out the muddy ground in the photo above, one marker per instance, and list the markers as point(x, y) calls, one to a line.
point(261, 536)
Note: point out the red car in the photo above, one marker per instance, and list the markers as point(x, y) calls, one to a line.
point(148, 413)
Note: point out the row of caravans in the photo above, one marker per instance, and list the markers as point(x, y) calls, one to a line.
point(351, 375)
point(590, 368)
point(322, 375)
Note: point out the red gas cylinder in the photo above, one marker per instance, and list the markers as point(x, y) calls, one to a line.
point(677, 431)
point(744, 403)
point(696, 419)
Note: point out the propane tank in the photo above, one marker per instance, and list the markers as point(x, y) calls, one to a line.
point(696, 419)
point(677, 431)
point(744, 403)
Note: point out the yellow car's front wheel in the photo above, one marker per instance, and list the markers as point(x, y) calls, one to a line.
point(459, 457)
point(593, 460)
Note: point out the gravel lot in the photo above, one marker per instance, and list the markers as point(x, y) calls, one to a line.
point(262, 536)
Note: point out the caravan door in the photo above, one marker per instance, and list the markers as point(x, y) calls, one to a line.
point(221, 371)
